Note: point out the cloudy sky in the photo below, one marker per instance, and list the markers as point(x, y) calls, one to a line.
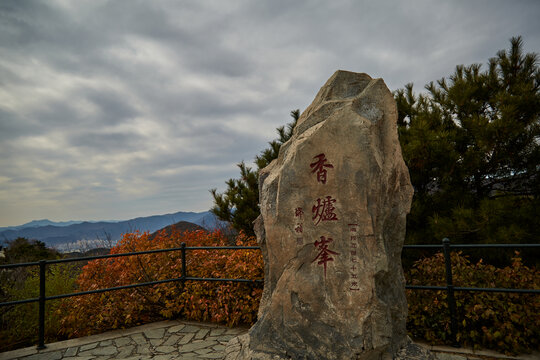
point(118, 109)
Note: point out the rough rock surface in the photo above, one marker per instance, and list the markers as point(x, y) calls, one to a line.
point(332, 225)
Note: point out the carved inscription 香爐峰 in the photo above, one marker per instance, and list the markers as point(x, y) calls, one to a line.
point(325, 254)
point(319, 166)
point(324, 210)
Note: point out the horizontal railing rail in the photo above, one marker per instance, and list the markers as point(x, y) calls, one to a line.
point(96, 257)
point(470, 246)
point(446, 247)
point(458, 288)
point(42, 299)
point(450, 289)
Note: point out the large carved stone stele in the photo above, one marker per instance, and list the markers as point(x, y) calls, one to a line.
point(332, 225)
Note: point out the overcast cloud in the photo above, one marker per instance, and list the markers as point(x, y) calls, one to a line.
point(118, 109)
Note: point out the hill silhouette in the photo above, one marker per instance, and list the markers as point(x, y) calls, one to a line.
point(181, 226)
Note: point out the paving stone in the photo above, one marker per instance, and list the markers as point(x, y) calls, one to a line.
point(172, 340)
point(187, 338)
point(107, 350)
point(196, 346)
point(106, 343)
point(154, 333)
point(447, 356)
point(215, 338)
point(165, 349)
point(203, 351)
point(88, 346)
point(53, 355)
point(201, 333)
point(226, 338)
point(190, 356)
point(176, 328)
point(139, 339)
point(190, 329)
point(143, 350)
point(212, 356)
point(125, 351)
point(164, 357)
point(79, 358)
point(156, 342)
point(86, 353)
point(216, 332)
point(72, 351)
point(122, 341)
point(219, 348)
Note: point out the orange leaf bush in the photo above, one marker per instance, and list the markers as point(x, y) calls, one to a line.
point(224, 302)
point(505, 322)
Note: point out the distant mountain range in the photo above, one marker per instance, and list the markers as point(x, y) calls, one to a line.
point(74, 235)
point(44, 222)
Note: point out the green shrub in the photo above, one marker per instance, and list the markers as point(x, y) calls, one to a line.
point(19, 323)
point(504, 322)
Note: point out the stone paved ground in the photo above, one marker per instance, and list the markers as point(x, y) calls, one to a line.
point(160, 341)
point(185, 340)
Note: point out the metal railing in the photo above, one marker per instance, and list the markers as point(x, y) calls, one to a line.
point(42, 277)
point(451, 289)
point(445, 246)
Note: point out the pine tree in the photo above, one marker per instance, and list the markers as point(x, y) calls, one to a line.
point(472, 145)
point(239, 204)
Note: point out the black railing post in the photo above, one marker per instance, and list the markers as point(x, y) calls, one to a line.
point(184, 272)
point(41, 331)
point(450, 292)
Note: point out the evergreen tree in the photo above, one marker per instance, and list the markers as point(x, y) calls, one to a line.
point(24, 250)
point(472, 145)
point(239, 204)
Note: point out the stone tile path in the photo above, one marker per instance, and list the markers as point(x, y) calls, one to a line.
point(160, 341)
point(185, 340)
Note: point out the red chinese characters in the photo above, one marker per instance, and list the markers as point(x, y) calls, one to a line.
point(324, 210)
point(318, 167)
point(325, 254)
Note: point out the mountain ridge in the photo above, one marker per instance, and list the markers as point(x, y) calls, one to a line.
point(66, 236)
point(42, 222)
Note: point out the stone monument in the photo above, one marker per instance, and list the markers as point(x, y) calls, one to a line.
point(332, 226)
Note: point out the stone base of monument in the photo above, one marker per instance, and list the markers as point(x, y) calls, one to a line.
point(332, 226)
point(238, 348)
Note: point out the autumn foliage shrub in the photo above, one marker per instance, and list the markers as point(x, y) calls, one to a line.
point(505, 322)
point(499, 321)
point(225, 302)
